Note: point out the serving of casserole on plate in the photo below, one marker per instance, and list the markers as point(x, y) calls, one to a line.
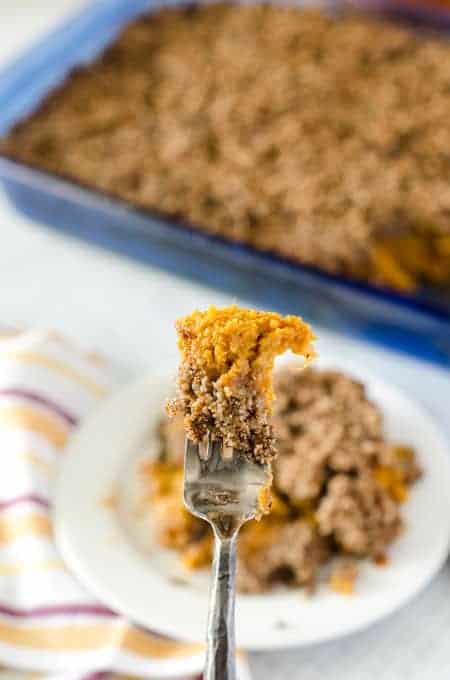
point(354, 513)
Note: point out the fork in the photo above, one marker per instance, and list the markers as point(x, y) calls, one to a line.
point(223, 488)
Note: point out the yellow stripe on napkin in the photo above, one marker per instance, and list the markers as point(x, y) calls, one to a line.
point(33, 459)
point(15, 526)
point(30, 418)
point(61, 367)
point(88, 637)
point(16, 568)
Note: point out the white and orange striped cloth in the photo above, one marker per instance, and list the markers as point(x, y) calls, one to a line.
point(50, 627)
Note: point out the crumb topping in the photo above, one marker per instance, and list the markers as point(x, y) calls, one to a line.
point(225, 385)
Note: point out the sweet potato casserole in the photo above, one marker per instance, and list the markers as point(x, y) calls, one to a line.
point(324, 140)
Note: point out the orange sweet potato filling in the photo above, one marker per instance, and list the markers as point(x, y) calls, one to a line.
point(231, 342)
point(403, 261)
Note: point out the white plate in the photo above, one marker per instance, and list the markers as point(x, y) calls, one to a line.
point(105, 551)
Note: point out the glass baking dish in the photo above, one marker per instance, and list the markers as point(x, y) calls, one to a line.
point(418, 324)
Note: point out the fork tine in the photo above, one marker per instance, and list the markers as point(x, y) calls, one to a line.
point(215, 454)
point(204, 448)
point(191, 459)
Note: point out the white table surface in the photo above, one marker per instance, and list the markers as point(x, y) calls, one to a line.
point(127, 311)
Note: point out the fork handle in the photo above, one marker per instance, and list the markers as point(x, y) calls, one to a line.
point(221, 653)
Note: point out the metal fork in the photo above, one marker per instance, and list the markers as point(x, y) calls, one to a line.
point(225, 491)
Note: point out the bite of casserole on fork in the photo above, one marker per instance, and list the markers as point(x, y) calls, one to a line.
point(224, 384)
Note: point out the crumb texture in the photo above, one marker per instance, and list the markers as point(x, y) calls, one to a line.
point(337, 490)
point(322, 139)
point(225, 375)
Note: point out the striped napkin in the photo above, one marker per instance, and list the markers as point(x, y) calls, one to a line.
point(50, 627)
